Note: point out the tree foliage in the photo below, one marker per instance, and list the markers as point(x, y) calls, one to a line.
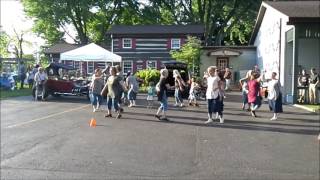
point(90, 18)
point(227, 22)
point(4, 41)
point(148, 75)
point(189, 53)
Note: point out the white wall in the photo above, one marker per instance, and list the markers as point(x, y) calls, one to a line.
point(270, 45)
point(245, 61)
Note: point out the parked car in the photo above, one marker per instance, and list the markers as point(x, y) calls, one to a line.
point(7, 81)
point(183, 70)
point(62, 81)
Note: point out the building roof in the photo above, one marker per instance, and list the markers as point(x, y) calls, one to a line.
point(297, 9)
point(61, 47)
point(157, 29)
point(297, 12)
point(227, 47)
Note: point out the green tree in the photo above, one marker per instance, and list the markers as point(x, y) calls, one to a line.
point(90, 18)
point(4, 41)
point(148, 75)
point(225, 21)
point(190, 54)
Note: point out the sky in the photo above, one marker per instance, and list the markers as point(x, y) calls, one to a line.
point(13, 17)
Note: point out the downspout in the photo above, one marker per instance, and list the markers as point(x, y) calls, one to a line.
point(279, 62)
point(112, 46)
point(295, 64)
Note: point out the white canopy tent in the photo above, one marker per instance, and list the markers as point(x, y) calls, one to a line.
point(90, 53)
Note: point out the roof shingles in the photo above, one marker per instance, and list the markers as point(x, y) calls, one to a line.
point(157, 29)
point(297, 9)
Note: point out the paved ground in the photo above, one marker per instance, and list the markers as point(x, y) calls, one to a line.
point(52, 140)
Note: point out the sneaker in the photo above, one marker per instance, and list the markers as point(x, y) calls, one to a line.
point(221, 120)
point(164, 119)
point(118, 116)
point(209, 121)
point(108, 115)
point(176, 105)
point(157, 116)
point(130, 105)
point(94, 110)
point(181, 105)
point(273, 118)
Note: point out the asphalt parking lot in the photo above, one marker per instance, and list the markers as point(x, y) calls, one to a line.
point(52, 140)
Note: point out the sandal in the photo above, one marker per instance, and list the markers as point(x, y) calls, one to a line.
point(108, 115)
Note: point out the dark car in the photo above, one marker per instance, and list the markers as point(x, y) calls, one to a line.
point(183, 70)
point(62, 81)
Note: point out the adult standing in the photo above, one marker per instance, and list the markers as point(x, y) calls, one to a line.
point(22, 72)
point(179, 87)
point(274, 96)
point(40, 79)
point(314, 81)
point(212, 95)
point(162, 89)
point(114, 87)
point(228, 77)
point(121, 90)
point(303, 81)
point(133, 86)
point(31, 72)
point(96, 87)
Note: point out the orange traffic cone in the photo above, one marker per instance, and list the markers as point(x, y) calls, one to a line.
point(93, 122)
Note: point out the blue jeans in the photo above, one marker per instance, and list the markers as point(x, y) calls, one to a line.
point(178, 96)
point(114, 102)
point(96, 98)
point(132, 95)
point(164, 102)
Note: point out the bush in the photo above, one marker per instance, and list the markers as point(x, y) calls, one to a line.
point(148, 75)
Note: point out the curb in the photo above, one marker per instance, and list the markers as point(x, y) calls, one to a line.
point(305, 108)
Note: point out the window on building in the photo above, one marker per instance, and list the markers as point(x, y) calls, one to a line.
point(127, 43)
point(139, 67)
point(222, 62)
point(152, 64)
point(90, 67)
point(77, 65)
point(127, 66)
point(175, 43)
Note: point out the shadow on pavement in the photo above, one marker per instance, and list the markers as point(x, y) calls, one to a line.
point(236, 124)
point(69, 99)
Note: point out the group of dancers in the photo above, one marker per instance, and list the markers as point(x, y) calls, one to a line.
point(116, 86)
